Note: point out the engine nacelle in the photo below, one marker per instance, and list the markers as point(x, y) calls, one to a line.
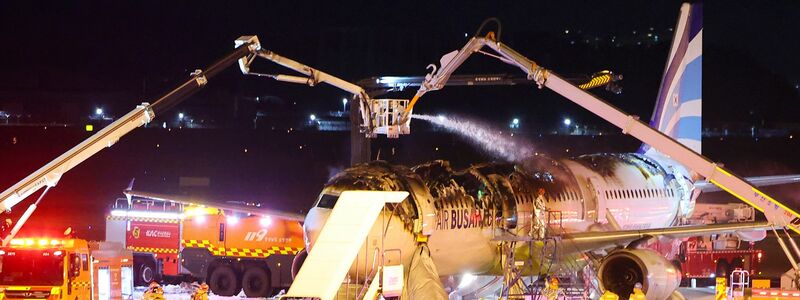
point(622, 269)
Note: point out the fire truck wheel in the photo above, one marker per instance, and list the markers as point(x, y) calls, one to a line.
point(223, 281)
point(147, 273)
point(723, 268)
point(255, 282)
point(298, 262)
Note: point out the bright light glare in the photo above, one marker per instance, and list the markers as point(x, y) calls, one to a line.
point(98, 111)
point(515, 121)
point(567, 121)
point(466, 279)
point(180, 116)
point(232, 220)
point(43, 242)
point(145, 214)
point(312, 117)
point(344, 101)
point(57, 253)
point(200, 219)
point(265, 221)
point(441, 117)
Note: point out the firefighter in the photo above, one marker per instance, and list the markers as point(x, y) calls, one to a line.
point(154, 292)
point(539, 213)
point(637, 293)
point(200, 291)
point(609, 295)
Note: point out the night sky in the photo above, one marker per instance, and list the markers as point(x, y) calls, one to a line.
point(125, 52)
point(59, 60)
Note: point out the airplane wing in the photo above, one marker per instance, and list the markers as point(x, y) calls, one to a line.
point(759, 181)
point(198, 201)
point(588, 241)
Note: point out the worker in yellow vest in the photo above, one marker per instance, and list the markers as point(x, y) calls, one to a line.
point(609, 295)
point(551, 290)
point(154, 292)
point(637, 293)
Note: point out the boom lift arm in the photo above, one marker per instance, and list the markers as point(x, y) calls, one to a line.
point(385, 84)
point(777, 214)
point(49, 175)
point(378, 116)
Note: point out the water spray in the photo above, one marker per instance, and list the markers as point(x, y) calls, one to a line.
point(490, 139)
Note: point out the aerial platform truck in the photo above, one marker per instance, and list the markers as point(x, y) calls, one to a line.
point(59, 268)
point(376, 117)
point(48, 176)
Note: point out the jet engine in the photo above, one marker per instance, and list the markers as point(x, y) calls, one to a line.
point(622, 269)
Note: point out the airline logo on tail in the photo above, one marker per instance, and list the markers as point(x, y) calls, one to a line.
point(678, 111)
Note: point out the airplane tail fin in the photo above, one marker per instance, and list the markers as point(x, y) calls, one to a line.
point(678, 111)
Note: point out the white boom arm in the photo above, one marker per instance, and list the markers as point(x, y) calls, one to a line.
point(49, 174)
point(777, 214)
point(313, 76)
point(376, 114)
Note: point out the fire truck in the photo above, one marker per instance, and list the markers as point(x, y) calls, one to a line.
point(231, 248)
point(704, 258)
point(46, 268)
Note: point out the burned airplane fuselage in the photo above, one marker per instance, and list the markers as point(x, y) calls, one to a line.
point(461, 213)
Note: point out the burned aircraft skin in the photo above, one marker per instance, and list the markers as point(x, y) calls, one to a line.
point(460, 213)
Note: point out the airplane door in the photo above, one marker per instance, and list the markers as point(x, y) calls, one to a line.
point(594, 201)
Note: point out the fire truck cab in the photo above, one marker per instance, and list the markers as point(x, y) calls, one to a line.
point(46, 268)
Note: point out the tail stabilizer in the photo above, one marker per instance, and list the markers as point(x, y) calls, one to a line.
point(678, 111)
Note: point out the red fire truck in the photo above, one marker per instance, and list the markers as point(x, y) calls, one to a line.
point(704, 258)
point(151, 229)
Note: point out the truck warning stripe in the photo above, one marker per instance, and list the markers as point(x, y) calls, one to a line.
point(221, 251)
point(153, 250)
